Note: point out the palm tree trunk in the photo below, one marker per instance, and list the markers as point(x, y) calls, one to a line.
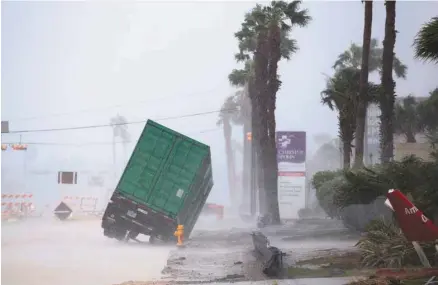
point(230, 160)
point(410, 137)
point(246, 167)
point(254, 146)
point(261, 68)
point(388, 97)
point(271, 176)
point(346, 152)
point(363, 87)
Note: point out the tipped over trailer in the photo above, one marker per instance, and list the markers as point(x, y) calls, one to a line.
point(165, 183)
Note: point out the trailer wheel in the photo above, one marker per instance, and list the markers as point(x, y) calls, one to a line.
point(152, 239)
point(133, 235)
point(118, 234)
point(108, 233)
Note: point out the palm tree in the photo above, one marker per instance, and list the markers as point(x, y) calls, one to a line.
point(341, 94)
point(361, 105)
point(407, 120)
point(387, 97)
point(261, 35)
point(428, 111)
point(242, 78)
point(426, 41)
point(226, 116)
point(352, 58)
point(120, 129)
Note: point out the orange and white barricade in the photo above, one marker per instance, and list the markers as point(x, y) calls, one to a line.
point(17, 205)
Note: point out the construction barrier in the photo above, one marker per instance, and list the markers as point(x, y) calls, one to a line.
point(17, 206)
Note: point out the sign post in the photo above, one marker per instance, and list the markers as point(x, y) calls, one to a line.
point(291, 159)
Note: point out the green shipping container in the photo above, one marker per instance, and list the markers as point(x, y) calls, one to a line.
point(168, 175)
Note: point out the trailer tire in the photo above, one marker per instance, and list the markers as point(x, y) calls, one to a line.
point(108, 233)
point(120, 236)
point(152, 239)
point(133, 235)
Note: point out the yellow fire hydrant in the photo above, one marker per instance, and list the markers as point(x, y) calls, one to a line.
point(179, 233)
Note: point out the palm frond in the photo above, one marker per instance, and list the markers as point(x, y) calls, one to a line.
point(426, 41)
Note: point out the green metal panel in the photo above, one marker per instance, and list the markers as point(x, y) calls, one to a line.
point(167, 172)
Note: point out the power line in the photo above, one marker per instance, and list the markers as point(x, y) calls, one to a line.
point(107, 107)
point(97, 143)
point(119, 124)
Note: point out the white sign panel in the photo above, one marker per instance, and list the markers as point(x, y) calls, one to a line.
point(291, 194)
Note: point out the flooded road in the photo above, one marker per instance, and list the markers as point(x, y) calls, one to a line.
point(52, 252)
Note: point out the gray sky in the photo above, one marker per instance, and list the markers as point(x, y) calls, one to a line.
point(157, 60)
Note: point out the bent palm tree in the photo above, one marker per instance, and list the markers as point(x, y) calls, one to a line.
point(426, 41)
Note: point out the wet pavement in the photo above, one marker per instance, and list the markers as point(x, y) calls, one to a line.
point(221, 255)
point(76, 252)
point(51, 252)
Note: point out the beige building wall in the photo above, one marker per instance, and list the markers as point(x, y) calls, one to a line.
point(421, 150)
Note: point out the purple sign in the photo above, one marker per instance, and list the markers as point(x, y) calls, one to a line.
point(291, 147)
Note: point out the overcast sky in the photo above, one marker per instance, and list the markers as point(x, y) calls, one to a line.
point(90, 61)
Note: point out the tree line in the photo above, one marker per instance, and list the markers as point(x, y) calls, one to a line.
point(265, 38)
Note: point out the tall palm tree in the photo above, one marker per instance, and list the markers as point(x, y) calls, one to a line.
point(120, 129)
point(243, 78)
point(226, 116)
point(341, 94)
point(387, 97)
point(362, 98)
point(407, 119)
point(426, 41)
point(261, 34)
point(352, 58)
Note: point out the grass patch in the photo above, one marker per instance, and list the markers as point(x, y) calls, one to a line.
point(303, 272)
point(343, 261)
point(389, 281)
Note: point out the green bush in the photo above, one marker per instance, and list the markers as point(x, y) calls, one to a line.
point(322, 177)
point(411, 175)
point(325, 194)
point(304, 213)
point(384, 245)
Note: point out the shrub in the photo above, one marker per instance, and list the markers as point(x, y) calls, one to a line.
point(325, 194)
point(411, 175)
point(305, 213)
point(384, 245)
point(322, 177)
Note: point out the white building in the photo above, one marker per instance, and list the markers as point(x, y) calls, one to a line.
point(372, 146)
